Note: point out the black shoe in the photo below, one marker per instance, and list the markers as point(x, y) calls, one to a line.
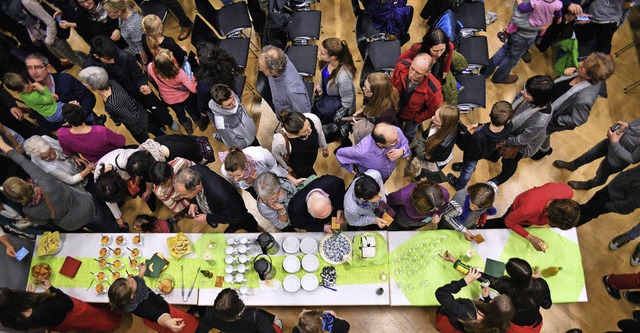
point(526, 57)
point(632, 296)
point(457, 166)
point(579, 185)
point(100, 120)
point(503, 36)
point(565, 165)
point(615, 293)
point(629, 326)
point(452, 180)
point(635, 257)
point(574, 330)
point(636, 315)
point(512, 78)
point(188, 126)
point(174, 219)
point(541, 154)
point(203, 123)
point(619, 241)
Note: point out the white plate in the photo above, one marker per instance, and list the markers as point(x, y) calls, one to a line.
point(309, 245)
point(291, 244)
point(310, 263)
point(291, 264)
point(122, 243)
point(291, 283)
point(309, 282)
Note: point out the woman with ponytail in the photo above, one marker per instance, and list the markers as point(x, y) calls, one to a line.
point(336, 82)
point(153, 39)
point(130, 22)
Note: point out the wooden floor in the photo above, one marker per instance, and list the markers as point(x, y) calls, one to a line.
point(601, 312)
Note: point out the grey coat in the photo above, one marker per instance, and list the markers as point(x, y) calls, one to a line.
point(572, 109)
point(528, 132)
point(73, 207)
point(236, 127)
point(342, 85)
point(358, 216)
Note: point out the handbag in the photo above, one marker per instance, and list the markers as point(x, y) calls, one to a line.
point(206, 151)
point(508, 152)
point(361, 128)
point(288, 154)
point(326, 106)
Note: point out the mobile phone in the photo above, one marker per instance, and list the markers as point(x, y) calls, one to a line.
point(615, 127)
point(58, 18)
point(583, 18)
point(21, 254)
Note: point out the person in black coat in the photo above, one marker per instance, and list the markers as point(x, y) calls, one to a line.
point(215, 198)
point(229, 314)
point(88, 18)
point(619, 196)
point(313, 206)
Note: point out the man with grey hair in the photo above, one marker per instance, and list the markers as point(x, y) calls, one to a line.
point(420, 92)
point(313, 207)
point(213, 199)
point(118, 104)
point(274, 195)
point(287, 89)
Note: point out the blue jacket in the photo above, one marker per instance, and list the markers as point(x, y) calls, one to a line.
point(68, 89)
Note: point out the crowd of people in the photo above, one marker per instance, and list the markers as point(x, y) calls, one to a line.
point(67, 171)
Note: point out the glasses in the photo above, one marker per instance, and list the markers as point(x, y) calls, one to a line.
point(31, 68)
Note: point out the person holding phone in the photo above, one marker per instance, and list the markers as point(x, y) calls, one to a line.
point(620, 149)
point(4, 239)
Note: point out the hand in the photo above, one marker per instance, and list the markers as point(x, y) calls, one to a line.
point(444, 75)
point(45, 284)
point(193, 210)
point(568, 17)
point(252, 177)
point(76, 103)
point(623, 126)
point(473, 127)
point(395, 154)
point(537, 243)
point(142, 268)
point(120, 222)
point(276, 206)
point(575, 9)
point(37, 86)
point(88, 169)
point(175, 324)
point(340, 217)
point(318, 89)
point(435, 219)
point(469, 236)
point(359, 112)
point(614, 136)
point(447, 256)
point(201, 218)
point(473, 275)
point(298, 181)
point(559, 20)
point(381, 223)
point(4, 146)
point(17, 113)
point(115, 35)
point(327, 228)
point(64, 24)
point(11, 252)
point(325, 153)
point(570, 71)
point(485, 292)
point(146, 195)
point(145, 90)
point(19, 148)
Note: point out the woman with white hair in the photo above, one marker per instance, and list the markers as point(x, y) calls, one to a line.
point(118, 104)
point(46, 153)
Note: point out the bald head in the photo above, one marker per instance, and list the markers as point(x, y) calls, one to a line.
point(420, 67)
point(384, 134)
point(319, 205)
point(272, 61)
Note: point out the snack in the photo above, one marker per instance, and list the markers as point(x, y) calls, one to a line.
point(41, 272)
point(133, 263)
point(102, 263)
point(135, 253)
point(119, 240)
point(103, 252)
point(100, 288)
point(105, 240)
point(101, 276)
point(136, 239)
point(117, 264)
point(117, 252)
point(336, 249)
point(49, 243)
point(116, 275)
point(179, 245)
point(165, 284)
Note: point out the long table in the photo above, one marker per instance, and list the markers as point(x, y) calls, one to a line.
point(407, 275)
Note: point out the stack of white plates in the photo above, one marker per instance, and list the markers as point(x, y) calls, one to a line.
point(310, 263)
point(309, 245)
point(291, 244)
point(291, 264)
point(309, 282)
point(291, 283)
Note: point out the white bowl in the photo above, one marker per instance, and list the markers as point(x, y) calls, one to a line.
point(291, 264)
point(291, 283)
point(309, 245)
point(119, 249)
point(309, 282)
point(310, 263)
point(291, 244)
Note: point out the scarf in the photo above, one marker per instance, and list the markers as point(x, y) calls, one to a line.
point(249, 168)
point(327, 322)
point(141, 295)
point(98, 14)
point(154, 148)
point(289, 191)
point(37, 193)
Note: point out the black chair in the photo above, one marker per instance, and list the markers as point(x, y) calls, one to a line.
point(384, 55)
point(228, 21)
point(367, 68)
point(473, 93)
point(238, 48)
point(304, 57)
point(366, 32)
point(305, 26)
point(154, 7)
point(303, 5)
point(263, 88)
point(471, 16)
point(240, 81)
point(476, 51)
point(309, 86)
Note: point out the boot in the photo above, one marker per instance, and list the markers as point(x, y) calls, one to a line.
point(188, 126)
point(565, 165)
point(203, 123)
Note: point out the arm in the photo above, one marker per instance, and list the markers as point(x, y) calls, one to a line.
point(579, 113)
point(115, 139)
point(525, 7)
point(38, 99)
point(514, 220)
point(134, 70)
point(279, 150)
point(403, 143)
point(322, 142)
point(445, 297)
point(85, 97)
point(433, 102)
point(4, 239)
point(617, 152)
point(410, 53)
point(530, 132)
point(189, 83)
point(348, 156)
point(545, 293)
point(625, 206)
point(177, 51)
point(270, 163)
point(36, 9)
point(352, 214)
point(272, 215)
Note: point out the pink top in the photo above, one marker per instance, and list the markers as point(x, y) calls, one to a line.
point(542, 13)
point(93, 145)
point(173, 91)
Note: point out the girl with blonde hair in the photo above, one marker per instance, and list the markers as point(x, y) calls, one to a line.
point(130, 24)
point(154, 39)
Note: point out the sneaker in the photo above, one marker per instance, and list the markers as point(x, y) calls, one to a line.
point(457, 166)
point(615, 293)
point(633, 296)
point(175, 126)
point(526, 57)
point(494, 186)
point(188, 126)
point(541, 154)
point(503, 36)
point(490, 17)
point(635, 257)
point(278, 322)
point(619, 241)
point(579, 185)
point(512, 78)
point(217, 137)
point(565, 165)
point(185, 32)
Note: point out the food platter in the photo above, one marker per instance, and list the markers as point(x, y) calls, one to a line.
point(179, 245)
point(50, 244)
point(165, 284)
point(336, 249)
point(41, 272)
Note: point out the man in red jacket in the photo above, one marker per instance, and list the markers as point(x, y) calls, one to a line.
point(549, 204)
point(420, 92)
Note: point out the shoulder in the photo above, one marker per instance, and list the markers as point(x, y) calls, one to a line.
point(433, 84)
point(312, 117)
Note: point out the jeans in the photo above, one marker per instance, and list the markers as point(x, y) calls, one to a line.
point(624, 281)
point(468, 167)
point(409, 128)
point(605, 169)
point(189, 105)
point(508, 56)
point(594, 207)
